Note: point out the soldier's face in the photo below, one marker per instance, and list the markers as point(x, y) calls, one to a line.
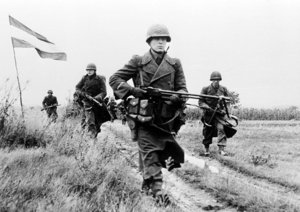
point(216, 83)
point(90, 72)
point(158, 44)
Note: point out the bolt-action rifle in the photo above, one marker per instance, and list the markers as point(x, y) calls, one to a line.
point(45, 108)
point(165, 94)
point(92, 99)
point(105, 115)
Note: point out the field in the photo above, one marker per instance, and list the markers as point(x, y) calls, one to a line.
point(70, 172)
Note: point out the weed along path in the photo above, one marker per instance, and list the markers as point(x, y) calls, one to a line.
point(209, 184)
point(185, 196)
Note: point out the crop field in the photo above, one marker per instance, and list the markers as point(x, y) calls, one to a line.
point(62, 170)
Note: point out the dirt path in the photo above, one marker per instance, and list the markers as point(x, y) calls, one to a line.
point(185, 196)
point(191, 199)
point(260, 185)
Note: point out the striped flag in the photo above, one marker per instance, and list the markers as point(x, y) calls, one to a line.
point(24, 37)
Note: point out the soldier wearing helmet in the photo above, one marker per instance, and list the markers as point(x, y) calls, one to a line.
point(92, 85)
point(50, 105)
point(156, 141)
point(212, 122)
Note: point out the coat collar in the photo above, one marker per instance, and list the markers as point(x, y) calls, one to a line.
point(148, 57)
point(165, 68)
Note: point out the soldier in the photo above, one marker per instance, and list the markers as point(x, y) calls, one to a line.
point(213, 122)
point(50, 105)
point(94, 86)
point(155, 139)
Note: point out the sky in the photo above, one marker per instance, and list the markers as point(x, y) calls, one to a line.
point(255, 44)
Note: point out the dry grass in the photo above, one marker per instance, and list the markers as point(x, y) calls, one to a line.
point(265, 150)
point(70, 173)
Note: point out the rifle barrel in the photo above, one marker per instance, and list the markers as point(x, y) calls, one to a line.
point(192, 96)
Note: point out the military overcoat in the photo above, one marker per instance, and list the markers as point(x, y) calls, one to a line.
point(144, 71)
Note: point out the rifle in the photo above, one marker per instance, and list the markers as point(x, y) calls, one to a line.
point(165, 94)
point(92, 99)
point(45, 108)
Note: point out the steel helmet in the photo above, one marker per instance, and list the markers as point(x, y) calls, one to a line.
point(215, 76)
point(91, 66)
point(50, 91)
point(158, 30)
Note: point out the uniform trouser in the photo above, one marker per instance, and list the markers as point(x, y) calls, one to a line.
point(208, 133)
point(154, 148)
point(51, 112)
point(89, 120)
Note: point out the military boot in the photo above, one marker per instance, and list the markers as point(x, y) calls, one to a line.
point(207, 152)
point(146, 186)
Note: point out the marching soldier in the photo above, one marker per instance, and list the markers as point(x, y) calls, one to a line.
point(50, 105)
point(90, 91)
point(155, 135)
point(214, 114)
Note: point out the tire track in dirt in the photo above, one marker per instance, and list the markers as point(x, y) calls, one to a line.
point(185, 196)
point(263, 186)
point(238, 168)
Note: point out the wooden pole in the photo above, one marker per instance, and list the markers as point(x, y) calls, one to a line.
point(19, 85)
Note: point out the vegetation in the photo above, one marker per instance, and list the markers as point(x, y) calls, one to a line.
point(289, 113)
point(55, 167)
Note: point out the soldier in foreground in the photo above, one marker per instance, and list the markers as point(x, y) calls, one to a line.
point(50, 105)
point(214, 114)
point(153, 123)
point(90, 92)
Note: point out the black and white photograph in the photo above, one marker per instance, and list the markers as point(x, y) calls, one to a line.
point(150, 106)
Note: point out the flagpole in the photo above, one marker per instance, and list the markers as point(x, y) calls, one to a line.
point(19, 85)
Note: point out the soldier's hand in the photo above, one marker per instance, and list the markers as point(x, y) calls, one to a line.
point(138, 93)
point(222, 112)
point(175, 99)
point(79, 93)
point(98, 98)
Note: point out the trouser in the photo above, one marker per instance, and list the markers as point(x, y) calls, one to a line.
point(217, 129)
point(154, 148)
point(51, 113)
point(89, 121)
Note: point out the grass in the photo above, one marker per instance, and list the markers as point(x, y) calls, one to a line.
point(265, 149)
point(70, 173)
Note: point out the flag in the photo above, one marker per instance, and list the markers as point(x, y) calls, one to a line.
point(32, 39)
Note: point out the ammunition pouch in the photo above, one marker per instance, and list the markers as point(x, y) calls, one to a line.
point(161, 115)
point(140, 110)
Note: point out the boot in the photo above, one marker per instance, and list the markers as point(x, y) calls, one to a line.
point(207, 152)
point(146, 186)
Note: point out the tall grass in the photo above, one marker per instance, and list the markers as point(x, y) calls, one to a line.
point(244, 113)
point(70, 172)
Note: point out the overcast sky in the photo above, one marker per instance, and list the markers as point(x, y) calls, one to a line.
point(255, 44)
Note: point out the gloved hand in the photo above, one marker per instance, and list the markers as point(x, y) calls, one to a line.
point(222, 112)
point(79, 93)
point(137, 92)
point(175, 98)
point(98, 98)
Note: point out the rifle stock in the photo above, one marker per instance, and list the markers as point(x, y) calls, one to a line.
point(45, 108)
point(93, 99)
